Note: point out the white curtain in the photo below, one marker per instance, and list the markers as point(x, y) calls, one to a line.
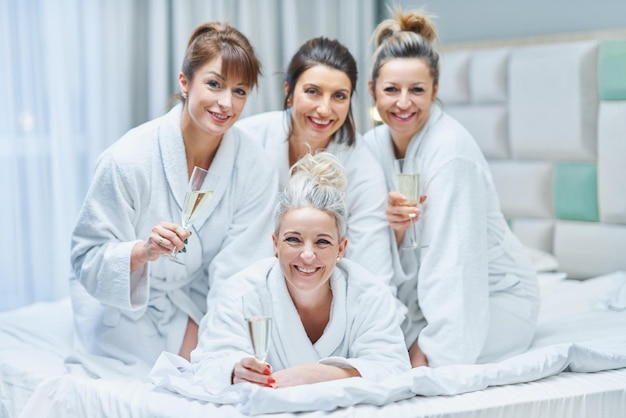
point(75, 75)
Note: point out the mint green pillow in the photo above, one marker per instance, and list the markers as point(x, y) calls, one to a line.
point(612, 70)
point(575, 191)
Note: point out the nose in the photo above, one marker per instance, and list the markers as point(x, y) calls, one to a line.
point(323, 108)
point(224, 100)
point(308, 255)
point(403, 101)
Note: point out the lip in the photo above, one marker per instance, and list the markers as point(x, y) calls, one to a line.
point(320, 123)
point(404, 116)
point(306, 271)
point(219, 117)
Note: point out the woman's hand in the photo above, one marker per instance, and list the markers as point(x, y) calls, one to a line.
point(306, 373)
point(400, 215)
point(417, 356)
point(162, 240)
point(254, 371)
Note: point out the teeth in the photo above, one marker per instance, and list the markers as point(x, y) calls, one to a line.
point(303, 270)
point(320, 122)
point(404, 116)
point(219, 116)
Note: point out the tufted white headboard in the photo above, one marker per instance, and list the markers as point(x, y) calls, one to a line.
point(551, 120)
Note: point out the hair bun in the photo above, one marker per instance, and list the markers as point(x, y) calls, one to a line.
point(323, 167)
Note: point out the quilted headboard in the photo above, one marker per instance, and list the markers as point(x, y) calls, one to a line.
point(551, 120)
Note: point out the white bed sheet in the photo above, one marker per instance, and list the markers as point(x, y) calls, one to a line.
point(34, 342)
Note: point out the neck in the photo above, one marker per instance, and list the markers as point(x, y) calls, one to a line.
point(200, 147)
point(313, 300)
point(400, 143)
point(299, 146)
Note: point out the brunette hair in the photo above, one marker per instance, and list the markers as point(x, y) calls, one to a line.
point(333, 54)
point(214, 39)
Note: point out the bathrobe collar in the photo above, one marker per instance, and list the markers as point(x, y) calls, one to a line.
point(174, 159)
point(295, 346)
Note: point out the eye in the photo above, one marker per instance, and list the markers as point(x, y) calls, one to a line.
point(390, 89)
point(292, 240)
point(418, 89)
point(213, 84)
point(241, 92)
point(323, 242)
point(341, 96)
point(310, 91)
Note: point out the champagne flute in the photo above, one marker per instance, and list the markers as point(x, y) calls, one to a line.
point(257, 312)
point(201, 187)
point(408, 185)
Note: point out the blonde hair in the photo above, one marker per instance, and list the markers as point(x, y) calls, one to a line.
point(409, 34)
point(317, 181)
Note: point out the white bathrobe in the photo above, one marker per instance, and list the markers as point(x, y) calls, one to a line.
point(140, 181)
point(362, 333)
point(470, 289)
point(366, 195)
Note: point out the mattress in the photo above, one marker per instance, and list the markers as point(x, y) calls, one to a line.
point(575, 368)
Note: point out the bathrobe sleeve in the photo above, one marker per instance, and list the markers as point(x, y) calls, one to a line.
point(249, 236)
point(452, 286)
point(222, 338)
point(377, 348)
point(105, 235)
point(222, 341)
point(366, 200)
point(375, 344)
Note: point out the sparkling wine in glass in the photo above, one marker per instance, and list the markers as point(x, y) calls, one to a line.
point(257, 310)
point(409, 185)
point(201, 187)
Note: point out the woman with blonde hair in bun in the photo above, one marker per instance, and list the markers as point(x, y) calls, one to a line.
point(331, 318)
point(470, 289)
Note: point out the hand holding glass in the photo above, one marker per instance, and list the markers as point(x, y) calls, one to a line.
point(408, 185)
point(201, 187)
point(257, 312)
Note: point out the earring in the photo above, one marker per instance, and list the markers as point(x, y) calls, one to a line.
point(338, 259)
point(184, 95)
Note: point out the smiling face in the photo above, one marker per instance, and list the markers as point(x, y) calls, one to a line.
point(214, 100)
point(307, 245)
point(404, 93)
point(320, 105)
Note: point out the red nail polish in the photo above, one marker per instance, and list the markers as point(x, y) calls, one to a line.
point(267, 371)
point(271, 380)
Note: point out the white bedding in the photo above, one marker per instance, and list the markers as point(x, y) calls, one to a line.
point(582, 330)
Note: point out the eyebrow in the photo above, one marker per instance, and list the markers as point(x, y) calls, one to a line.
point(217, 75)
point(324, 235)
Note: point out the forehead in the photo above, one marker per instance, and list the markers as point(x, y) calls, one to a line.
point(414, 69)
point(322, 75)
point(308, 221)
point(217, 66)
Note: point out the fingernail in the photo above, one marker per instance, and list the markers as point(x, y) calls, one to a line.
point(267, 371)
point(271, 380)
point(184, 249)
point(185, 241)
point(190, 233)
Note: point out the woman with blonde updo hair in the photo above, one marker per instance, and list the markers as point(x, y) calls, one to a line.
point(130, 304)
point(470, 289)
point(331, 318)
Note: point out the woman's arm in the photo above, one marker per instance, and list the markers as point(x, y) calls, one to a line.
point(307, 373)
